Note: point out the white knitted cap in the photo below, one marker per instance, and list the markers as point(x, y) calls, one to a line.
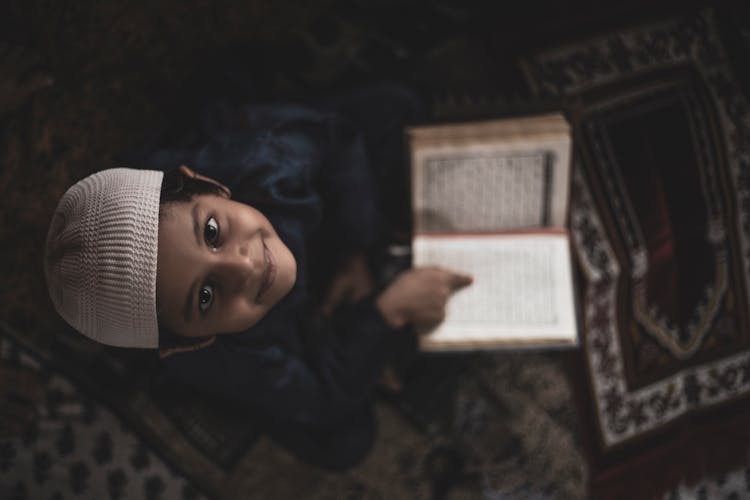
point(100, 256)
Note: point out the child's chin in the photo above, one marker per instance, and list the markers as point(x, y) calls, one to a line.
point(284, 284)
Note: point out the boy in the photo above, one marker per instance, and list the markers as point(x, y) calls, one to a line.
point(224, 272)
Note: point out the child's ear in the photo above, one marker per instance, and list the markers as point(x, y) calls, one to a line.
point(192, 174)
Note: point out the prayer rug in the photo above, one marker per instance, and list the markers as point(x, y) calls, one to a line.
point(660, 218)
point(734, 484)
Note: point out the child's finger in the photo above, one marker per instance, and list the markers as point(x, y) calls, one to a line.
point(460, 280)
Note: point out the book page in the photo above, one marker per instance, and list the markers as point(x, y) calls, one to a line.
point(490, 176)
point(486, 191)
point(522, 292)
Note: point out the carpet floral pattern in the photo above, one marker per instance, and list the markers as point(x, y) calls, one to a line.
point(660, 224)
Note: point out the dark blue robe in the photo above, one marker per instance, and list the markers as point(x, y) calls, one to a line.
point(332, 181)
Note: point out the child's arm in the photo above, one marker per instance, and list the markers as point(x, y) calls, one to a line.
point(352, 283)
point(332, 379)
point(335, 375)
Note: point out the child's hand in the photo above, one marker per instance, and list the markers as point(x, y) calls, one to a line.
point(353, 282)
point(419, 296)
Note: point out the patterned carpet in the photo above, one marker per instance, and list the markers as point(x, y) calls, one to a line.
point(660, 221)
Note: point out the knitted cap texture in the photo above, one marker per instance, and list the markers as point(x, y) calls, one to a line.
point(100, 256)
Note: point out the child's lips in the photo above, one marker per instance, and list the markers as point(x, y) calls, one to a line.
point(269, 272)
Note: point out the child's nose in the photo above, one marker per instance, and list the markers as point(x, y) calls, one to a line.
point(239, 268)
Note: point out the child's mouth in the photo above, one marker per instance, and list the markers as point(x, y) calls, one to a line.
point(269, 273)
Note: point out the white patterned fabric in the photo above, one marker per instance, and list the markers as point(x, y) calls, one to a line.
point(100, 259)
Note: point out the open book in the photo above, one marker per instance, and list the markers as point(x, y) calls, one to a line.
point(490, 198)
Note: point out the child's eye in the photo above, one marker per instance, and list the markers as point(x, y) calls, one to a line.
point(205, 297)
point(211, 232)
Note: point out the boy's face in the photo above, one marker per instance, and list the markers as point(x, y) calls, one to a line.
point(221, 266)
